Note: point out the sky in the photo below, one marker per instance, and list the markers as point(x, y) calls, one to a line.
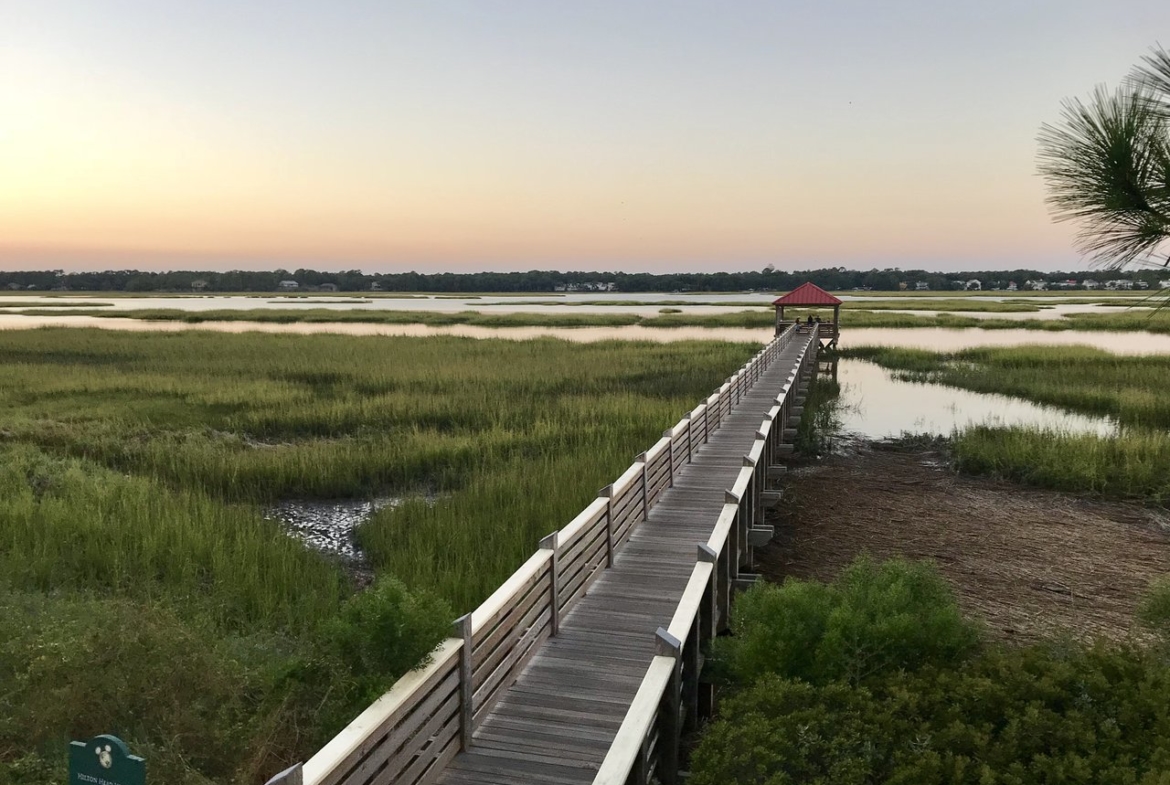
point(543, 134)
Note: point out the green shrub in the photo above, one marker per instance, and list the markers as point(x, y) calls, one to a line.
point(873, 619)
point(386, 631)
point(1036, 715)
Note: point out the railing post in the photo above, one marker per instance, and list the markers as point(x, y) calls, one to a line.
point(668, 434)
point(607, 494)
point(669, 710)
point(709, 610)
point(737, 527)
point(466, 694)
point(690, 435)
point(753, 497)
point(645, 486)
point(550, 542)
point(708, 620)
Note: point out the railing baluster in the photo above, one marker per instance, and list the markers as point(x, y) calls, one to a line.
point(668, 434)
point(645, 486)
point(607, 494)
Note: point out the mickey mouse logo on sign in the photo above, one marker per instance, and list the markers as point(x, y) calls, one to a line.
point(104, 756)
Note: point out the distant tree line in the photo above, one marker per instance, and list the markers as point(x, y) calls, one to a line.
point(768, 279)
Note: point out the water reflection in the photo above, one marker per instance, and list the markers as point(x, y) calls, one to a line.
point(877, 406)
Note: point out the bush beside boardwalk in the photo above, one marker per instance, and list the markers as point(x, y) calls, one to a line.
point(904, 691)
point(141, 591)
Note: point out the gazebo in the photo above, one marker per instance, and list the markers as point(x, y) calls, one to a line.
point(809, 295)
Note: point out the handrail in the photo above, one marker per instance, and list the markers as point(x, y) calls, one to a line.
point(430, 714)
point(647, 745)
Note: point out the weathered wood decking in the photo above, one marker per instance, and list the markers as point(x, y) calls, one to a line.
point(558, 720)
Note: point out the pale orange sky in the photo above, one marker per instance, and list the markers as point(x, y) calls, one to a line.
point(467, 136)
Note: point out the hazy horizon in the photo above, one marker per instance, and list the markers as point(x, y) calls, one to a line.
point(475, 136)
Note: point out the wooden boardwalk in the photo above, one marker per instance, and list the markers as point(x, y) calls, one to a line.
point(558, 720)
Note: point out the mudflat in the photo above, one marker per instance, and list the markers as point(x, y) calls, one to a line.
point(1031, 563)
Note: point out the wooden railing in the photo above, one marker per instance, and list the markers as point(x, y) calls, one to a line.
point(413, 731)
point(667, 703)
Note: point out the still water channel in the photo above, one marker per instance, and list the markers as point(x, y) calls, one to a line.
point(642, 304)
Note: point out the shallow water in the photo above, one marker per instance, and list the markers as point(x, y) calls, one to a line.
point(875, 405)
point(329, 526)
point(936, 338)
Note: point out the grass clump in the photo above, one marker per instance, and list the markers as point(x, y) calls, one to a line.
point(821, 417)
point(1132, 465)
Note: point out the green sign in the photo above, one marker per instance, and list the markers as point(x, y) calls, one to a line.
point(104, 760)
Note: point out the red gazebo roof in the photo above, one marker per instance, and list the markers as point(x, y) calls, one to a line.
point(807, 294)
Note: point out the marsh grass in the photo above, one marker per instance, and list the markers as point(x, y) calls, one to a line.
point(250, 418)
point(821, 417)
point(855, 315)
point(132, 470)
point(1132, 465)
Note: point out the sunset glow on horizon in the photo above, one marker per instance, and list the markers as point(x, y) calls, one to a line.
point(466, 136)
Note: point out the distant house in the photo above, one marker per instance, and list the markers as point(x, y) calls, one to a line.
point(922, 286)
point(1012, 286)
point(1036, 286)
point(288, 286)
point(375, 287)
point(1090, 284)
point(14, 286)
point(327, 287)
point(1118, 284)
point(974, 285)
point(1164, 283)
point(1142, 284)
point(198, 286)
point(560, 287)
